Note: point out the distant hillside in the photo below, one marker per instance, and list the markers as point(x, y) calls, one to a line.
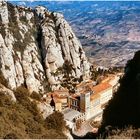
point(109, 31)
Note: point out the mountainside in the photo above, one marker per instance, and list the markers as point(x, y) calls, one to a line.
point(123, 109)
point(21, 118)
point(108, 31)
point(121, 115)
point(38, 49)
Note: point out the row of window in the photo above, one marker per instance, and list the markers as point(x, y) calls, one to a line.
point(74, 102)
point(106, 98)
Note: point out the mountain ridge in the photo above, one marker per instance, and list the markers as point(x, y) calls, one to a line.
point(38, 45)
point(103, 28)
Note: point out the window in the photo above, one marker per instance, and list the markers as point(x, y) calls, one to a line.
point(75, 103)
point(96, 102)
point(106, 98)
point(72, 102)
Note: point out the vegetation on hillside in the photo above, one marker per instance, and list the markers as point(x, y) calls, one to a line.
point(21, 119)
point(3, 80)
point(69, 81)
point(98, 74)
point(128, 132)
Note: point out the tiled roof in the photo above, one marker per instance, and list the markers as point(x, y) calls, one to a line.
point(62, 97)
point(54, 94)
point(62, 90)
point(98, 89)
point(95, 96)
point(58, 93)
point(87, 90)
point(83, 84)
point(108, 78)
point(101, 87)
point(105, 79)
point(56, 100)
point(74, 96)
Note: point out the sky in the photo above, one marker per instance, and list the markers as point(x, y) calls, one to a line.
point(71, 0)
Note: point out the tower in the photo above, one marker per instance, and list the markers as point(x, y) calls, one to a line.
point(85, 104)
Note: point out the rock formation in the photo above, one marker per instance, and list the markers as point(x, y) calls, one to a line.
point(35, 44)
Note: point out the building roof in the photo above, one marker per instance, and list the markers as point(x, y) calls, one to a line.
point(63, 97)
point(98, 89)
point(56, 100)
point(85, 83)
point(87, 90)
point(62, 90)
point(58, 94)
point(105, 79)
point(94, 96)
point(74, 96)
point(54, 94)
point(86, 86)
point(101, 87)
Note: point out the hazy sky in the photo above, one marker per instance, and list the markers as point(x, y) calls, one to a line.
point(72, 0)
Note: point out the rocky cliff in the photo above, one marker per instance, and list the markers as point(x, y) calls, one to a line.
point(38, 48)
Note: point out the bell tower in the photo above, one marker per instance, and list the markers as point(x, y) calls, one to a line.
point(85, 102)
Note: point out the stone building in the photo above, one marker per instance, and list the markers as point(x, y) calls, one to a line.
point(58, 99)
point(91, 101)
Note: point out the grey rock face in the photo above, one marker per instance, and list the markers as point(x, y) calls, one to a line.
point(35, 45)
point(7, 92)
point(45, 109)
